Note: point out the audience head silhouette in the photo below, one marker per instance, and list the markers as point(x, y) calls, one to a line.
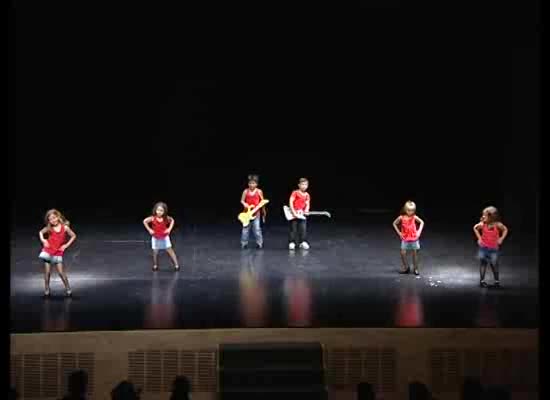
point(77, 385)
point(472, 389)
point(498, 393)
point(365, 391)
point(180, 388)
point(124, 391)
point(419, 391)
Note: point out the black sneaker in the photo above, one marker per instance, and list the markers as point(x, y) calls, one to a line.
point(483, 284)
point(497, 285)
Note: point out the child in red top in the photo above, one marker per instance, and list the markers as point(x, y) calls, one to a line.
point(250, 198)
point(159, 226)
point(54, 241)
point(489, 240)
point(299, 204)
point(409, 235)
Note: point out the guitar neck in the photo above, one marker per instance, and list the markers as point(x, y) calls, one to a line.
point(258, 207)
point(316, 213)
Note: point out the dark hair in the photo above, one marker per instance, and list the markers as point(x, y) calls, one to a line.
point(497, 393)
point(253, 178)
point(365, 391)
point(302, 180)
point(472, 389)
point(125, 390)
point(419, 391)
point(180, 388)
point(77, 382)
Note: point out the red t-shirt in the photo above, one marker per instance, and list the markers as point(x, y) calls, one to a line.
point(253, 198)
point(159, 226)
point(408, 228)
point(55, 241)
point(489, 236)
point(300, 200)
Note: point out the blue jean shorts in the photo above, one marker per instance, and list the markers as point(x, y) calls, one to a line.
point(406, 245)
point(48, 258)
point(161, 244)
point(488, 255)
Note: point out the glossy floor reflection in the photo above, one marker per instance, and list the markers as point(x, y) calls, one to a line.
point(347, 279)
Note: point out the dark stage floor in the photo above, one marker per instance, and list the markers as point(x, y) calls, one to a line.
point(347, 279)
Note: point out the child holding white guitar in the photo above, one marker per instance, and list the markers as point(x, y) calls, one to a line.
point(296, 213)
point(252, 199)
point(299, 207)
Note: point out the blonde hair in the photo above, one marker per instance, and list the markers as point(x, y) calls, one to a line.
point(492, 212)
point(55, 212)
point(408, 204)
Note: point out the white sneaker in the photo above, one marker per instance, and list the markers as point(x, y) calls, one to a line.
point(304, 246)
point(291, 246)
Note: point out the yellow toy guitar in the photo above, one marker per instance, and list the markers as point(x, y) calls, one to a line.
point(247, 216)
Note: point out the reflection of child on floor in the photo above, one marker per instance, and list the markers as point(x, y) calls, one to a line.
point(490, 234)
point(409, 235)
point(159, 226)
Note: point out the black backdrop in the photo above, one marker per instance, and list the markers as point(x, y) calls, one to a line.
point(438, 105)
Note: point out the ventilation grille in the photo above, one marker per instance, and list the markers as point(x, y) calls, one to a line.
point(155, 370)
point(349, 366)
point(46, 375)
point(444, 369)
point(517, 368)
point(16, 371)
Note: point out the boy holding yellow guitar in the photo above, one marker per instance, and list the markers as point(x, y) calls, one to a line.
point(253, 202)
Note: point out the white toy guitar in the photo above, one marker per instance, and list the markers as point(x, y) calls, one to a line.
point(301, 215)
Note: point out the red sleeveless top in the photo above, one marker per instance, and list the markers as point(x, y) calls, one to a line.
point(55, 241)
point(159, 227)
point(300, 200)
point(489, 236)
point(253, 199)
point(408, 228)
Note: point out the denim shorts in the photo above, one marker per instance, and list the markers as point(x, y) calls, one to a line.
point(488, 255)
point(406, 245)
point(161, 244)
point(48, 258)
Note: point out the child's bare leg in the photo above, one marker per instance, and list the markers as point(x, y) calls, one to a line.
point(415, 261)
point(155, 260)
point(47, 274)
point(63, 277)
point(174, 258)
point(404, 260)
